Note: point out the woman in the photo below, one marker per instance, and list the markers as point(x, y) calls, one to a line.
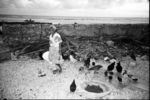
point(54, 49)
point(54, 54)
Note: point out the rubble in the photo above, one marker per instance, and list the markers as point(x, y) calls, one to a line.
point(132, 64)
point(110, 43)
point(144, 57)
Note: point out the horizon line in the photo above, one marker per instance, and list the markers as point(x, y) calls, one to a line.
point(72, 16)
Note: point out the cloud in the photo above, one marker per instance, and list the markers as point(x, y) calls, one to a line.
point(100, 4)
point(15, 3)
point(77, 7)
point(45, 4)
point(73, 4)
point(66, 4)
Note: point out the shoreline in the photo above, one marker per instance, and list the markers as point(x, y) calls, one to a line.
point(22, 22)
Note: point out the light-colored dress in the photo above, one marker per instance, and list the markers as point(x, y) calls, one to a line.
point(54, 50)
point(53, 56)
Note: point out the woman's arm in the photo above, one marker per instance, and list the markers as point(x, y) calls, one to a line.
point(50, 42)
point(60, 52)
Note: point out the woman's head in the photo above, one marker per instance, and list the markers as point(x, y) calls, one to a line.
point(53, 29)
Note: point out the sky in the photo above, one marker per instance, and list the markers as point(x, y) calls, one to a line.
point(88, 8)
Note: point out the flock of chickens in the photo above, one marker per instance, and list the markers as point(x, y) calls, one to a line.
point(113, 69)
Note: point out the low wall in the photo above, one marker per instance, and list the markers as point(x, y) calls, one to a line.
point(27, 32)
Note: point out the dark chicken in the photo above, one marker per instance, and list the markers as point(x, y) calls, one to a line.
point(133, 56)
point(111, 66)
point(119, 67)
point(87, 62)
point(65, 56)
point(119, 79)
point(73, 86)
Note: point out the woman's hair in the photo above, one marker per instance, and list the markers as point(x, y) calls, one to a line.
point(54, 29)
point(54, 32)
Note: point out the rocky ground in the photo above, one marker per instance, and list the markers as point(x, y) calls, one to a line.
point(33, 79)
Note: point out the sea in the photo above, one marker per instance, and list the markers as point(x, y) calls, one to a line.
point(74, 19)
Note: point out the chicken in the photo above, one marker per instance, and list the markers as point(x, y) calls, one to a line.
point(110, 78)
point(73, 86)
point(60, 68)
point(132, 55)
point(119, 67)
point(106, 73)
point(65, 56)
point(111, 66)
point(119, 79)
point(40, 55)
point(87, 62)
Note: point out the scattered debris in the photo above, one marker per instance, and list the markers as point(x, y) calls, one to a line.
point(106, 58)
point(41, 74)
point(13, 56)
point(135, 79)
point(72, 59)
point(82, 46)
point(132, 64)
point(96, 67)
point(113, 60)
point(56, 71)
point(144, 57)
point(110, 43)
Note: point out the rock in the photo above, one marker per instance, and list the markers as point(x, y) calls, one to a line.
point(72, 59)
point(106, 58)
point(145, 57)
point(24, 57)
point(110, 43)
point(132, 64)
point(113, 60)
point(41, 74)
point(13, 56)
point(56, 71)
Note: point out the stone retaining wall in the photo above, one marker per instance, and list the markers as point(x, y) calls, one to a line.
point(27, 32)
